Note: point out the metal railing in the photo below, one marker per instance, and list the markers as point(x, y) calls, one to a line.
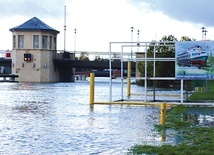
point(2, 53)
point(92, 55)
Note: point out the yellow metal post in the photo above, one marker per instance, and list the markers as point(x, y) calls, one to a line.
point(91, 88)
point(163, 113)
point(129, 80)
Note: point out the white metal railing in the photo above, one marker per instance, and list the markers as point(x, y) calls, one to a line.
point(2, 53)
point(145, 58)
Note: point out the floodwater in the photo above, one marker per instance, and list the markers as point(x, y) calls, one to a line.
point(56, 118)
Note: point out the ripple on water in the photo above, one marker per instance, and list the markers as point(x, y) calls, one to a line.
point(57, 119)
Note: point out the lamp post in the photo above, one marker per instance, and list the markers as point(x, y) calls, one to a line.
point(205, 33)
point(129, 67)
point(65, 30)
point(132, 28)
point(203, 30)
point(75, 31)
point(138, 44)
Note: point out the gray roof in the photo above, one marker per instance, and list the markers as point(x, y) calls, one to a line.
point(33, 24)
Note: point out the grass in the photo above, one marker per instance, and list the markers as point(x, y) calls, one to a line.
point(201, 96)
point(197, 140)
point(205, 94)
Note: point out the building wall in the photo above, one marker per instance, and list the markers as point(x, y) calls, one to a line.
point(41, 68)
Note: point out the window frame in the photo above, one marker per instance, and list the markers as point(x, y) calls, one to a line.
point(20, 41)
point(35, 41)
point(44, 42)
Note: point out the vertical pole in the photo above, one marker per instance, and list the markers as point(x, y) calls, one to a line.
point(91, 88)
point(132, 40)
point(154, 82)
point(110, 79)
point(203, 28)
point(129, 80)
point(163, 113)
point(75, 31)
point(145, 80)
point(154, 61)
point(65, 30)
point(205, 33)
point(182, 90)
point(186, 87)
point(121, 73)
point(129, 66)
point(138, 44)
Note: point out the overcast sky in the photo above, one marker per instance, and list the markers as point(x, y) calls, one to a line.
point(99, 22)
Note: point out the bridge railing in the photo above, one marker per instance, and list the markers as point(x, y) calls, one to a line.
point(2, 53)
point(61, 54)
point(5, 54)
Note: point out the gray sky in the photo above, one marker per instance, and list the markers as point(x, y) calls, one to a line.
point(195, 11)
point(99, 22)
point(29, 8)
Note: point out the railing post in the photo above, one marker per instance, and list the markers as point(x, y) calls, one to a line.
point(91, 88)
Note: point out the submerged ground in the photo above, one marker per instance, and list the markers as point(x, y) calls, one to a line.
point(193, 126)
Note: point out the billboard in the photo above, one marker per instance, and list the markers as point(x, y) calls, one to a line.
point(194, 60)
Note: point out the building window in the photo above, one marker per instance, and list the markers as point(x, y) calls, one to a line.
point(20, 41)
point(50, 42)
point(14, 42)
point(44, 42)
point(36, 41)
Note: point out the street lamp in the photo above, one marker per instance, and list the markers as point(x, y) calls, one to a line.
point(75, 31)
point(65, 30)
point(203, 30)
point(132, 28)
point(138, 44)
point(205, 33)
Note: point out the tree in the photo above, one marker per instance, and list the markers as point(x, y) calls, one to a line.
point(98, 58)
point(84, 56)
point(115, 55)
point(185, 38)
point(165, 49)
point(166, 68)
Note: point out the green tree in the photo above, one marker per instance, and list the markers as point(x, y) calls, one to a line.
point(164, 49)
point(84, 56)
point(98, 58)
point(115, 55)
point(185, 38)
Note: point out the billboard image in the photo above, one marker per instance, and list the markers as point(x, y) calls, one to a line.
point(194, 60)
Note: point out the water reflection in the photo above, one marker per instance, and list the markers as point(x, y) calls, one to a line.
point(202, 116)
point(56, 118)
